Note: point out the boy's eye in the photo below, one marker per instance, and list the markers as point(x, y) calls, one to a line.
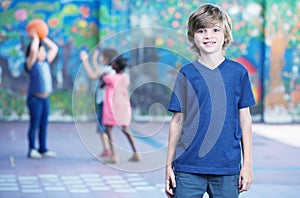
point(201, 31)
point(216, 29)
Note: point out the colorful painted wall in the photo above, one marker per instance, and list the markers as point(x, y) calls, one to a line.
point(152, 34)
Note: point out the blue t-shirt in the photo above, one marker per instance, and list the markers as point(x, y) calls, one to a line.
point(210, 101)
point(40, 78)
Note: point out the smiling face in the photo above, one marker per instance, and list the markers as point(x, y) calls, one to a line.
point(211, 22)
point(209, 40)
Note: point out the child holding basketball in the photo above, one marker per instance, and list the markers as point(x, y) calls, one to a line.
point(40, 87)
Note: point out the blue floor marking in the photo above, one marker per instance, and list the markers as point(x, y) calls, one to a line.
point(152, 142)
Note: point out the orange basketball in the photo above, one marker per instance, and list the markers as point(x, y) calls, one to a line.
point(39, 26)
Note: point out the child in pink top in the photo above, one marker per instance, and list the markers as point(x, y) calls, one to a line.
point(116, 107)
point(94, 72)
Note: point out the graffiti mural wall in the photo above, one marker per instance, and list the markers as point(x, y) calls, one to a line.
point(266, 41)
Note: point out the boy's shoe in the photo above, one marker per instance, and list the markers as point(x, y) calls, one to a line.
point(34, 154)
point(135, 158)
point(49, 154)
point(105, 153)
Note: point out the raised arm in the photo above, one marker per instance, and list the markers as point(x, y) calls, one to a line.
point(246, 173)
point(95, 59)
point(33, 50)
point(92, 74)
point(174, 134)
point(52, 49)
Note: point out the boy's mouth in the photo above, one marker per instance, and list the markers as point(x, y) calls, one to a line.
point(209, 43)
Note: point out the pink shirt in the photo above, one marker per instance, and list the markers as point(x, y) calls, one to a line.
point(116, 106)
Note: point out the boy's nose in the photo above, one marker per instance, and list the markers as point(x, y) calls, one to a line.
point(208, 33)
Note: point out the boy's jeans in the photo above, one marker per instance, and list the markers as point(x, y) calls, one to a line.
point(190, 185)
point(39, 111)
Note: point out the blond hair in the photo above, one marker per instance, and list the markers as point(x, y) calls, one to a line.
point(207, 16)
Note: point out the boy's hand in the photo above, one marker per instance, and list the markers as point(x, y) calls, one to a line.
point(245, 179)
point(170, 182)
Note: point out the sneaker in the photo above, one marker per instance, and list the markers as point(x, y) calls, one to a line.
point(105, 153)
point(49, 154)
point(34, 154)
point(135, 158)
point(112, 160)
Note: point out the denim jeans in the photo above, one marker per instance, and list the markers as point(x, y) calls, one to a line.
point(190, 185)
point(100, 127)
point(39, 111)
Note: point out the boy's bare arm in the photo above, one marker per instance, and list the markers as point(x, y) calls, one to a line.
point(246, 173)
point(53, 49)
point(174, 134)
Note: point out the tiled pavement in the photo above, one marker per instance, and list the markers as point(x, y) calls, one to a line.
point(84, 185)
point(76, 172)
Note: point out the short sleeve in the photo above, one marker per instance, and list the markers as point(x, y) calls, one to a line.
point(179, 94)
point(247, 98)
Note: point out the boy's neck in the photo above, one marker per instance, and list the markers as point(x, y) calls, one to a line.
point(211, 62)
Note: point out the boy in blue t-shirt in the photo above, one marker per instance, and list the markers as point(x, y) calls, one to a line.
point(210, 130)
